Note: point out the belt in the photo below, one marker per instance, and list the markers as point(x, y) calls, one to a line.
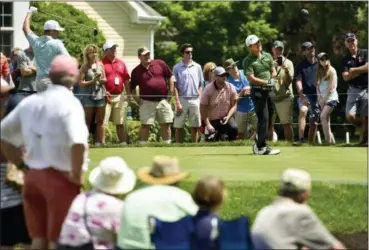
point(260, 88)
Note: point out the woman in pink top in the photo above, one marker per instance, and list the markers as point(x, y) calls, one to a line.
point(93, 218)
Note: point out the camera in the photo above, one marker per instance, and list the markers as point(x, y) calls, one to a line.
point(279, 60)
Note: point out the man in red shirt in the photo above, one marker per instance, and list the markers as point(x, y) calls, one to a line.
point(155, 81)
point(116, 78)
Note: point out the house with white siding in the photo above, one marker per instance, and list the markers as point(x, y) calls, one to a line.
point(131, 24)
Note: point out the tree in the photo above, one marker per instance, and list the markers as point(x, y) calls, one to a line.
point(75, 37)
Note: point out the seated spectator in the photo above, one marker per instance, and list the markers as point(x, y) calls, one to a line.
point(208, 72)
point(209, 195)
point(217, 106)
point(289, 222)
point(162, 199)
point(93, 218)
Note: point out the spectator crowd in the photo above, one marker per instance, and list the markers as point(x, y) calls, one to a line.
point(45, 135)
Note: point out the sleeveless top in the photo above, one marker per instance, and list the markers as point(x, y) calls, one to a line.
point(324, 84)
point(93, 91)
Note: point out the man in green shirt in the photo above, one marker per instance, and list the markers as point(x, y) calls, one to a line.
point(259, 70)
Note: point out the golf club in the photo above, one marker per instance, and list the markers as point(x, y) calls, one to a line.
point(95, 32)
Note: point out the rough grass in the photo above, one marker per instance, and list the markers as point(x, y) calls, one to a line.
point(251, 180)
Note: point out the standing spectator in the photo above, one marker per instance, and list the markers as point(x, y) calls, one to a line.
point(14, 68)
point(245, 114)
point(289, 222)
point(161, 199)
point(26, 65)
point(208, 72)
point(259, 69)
point(92, 82)
point(355, 73)
point(209, 195)
point(117, 78)
point(327, 94)
point(155, 81)
point(188, 79)
point(93, 218)
point(52, 128)
point(305, 76)
point(217, 106)
point(283, 99)
point(4, 67)
point(45, 48)
point(13, 230)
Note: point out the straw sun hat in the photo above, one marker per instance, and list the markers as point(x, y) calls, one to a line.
point(113, 176)
point(165, 170)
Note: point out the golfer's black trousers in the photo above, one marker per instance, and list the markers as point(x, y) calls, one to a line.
point(264, 110)
point(229, 129)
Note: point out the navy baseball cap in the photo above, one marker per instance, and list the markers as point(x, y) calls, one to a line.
point(350, 36)
point(306, 45)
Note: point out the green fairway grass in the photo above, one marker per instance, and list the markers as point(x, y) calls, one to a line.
point(252, 180)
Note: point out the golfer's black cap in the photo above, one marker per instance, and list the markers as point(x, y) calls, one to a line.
point(306, 45)
point(350, 36)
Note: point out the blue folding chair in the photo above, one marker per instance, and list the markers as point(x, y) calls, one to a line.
point(172, 235)
point(234, 234)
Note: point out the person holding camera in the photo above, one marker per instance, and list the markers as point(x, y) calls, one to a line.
point(283, 93)
point(259, 70)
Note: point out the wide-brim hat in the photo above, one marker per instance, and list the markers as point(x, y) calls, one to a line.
point(165, 170)
point(229, 63)
point(113, 176)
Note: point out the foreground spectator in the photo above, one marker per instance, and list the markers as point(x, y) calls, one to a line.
point(188, 79)
point(208, 72)
point(217, 106)
point(327, 94)
point(305, 76)
point(155, 81)
point(289, 222)
point(92, 82)
point(355, 73)
point(245, 114)
point(162, 199)
point(283, 92)
point(93, 218)
point(26, 65)
point(117, 78)
point(13, 230)
point(51, 126)
point(209, 195)
point(45, 47)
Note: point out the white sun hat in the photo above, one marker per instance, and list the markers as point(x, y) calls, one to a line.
point(295, 180)
point(113, 176)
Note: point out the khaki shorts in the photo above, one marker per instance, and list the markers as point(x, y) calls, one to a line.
point(192, 109)
point(284, 110)
point(244, 119)
point(161, 111)
point(116, 112)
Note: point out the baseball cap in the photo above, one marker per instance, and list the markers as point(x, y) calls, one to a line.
point(350, 36)
point(251, 39)
point(278, 44)
point(295, 180)
point(219, 71)
point(229, 63)
point(143, 51)
point(52, 25)
point(320, 55)
point(306, 45)
point(109, 45)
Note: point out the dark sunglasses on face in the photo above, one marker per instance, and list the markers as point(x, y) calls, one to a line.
point(324, 58)
point(189, 52)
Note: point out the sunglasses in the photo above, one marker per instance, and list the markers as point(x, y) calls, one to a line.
point(189, 52)
point(324, 58)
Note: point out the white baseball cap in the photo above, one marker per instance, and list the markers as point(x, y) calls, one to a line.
point(52, 25)
point(109, 44)
point(113, 176)
point(295, 180)
point(251, 39)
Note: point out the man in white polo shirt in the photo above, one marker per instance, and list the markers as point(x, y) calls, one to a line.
point(289, 222)
point(45, 48)
point(52, 129)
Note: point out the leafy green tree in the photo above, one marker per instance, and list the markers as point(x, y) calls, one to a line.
point(75, 37)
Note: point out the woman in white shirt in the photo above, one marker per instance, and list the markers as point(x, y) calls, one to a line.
point(93, 219)
point(327, 94)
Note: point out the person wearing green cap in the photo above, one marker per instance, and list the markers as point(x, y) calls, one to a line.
point(283, 92)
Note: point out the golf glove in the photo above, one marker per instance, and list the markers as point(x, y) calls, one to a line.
point(32, 9)
point(271, 83)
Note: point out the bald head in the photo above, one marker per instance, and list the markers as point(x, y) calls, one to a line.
point(64, 70)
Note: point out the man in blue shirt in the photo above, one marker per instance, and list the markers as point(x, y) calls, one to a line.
point(245, 114)
point(305, 77)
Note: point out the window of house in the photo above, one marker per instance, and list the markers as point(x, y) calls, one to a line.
point(6, 42)
point(6, 15)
